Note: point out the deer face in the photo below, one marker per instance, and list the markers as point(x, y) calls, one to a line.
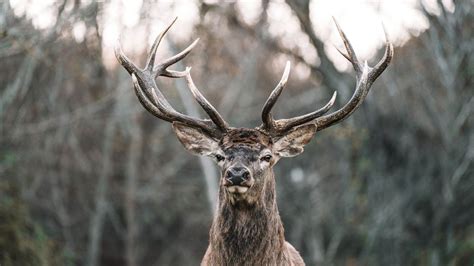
point(246, 156)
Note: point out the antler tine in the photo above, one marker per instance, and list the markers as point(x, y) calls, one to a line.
point(287, 124)
point(169, 115)
point(204, 103)
point(351, 55)
point(153, 99)
point(281, 126)
point(172, 60)
point(356, 99)
point(161, 69)
point(365, 78)
point(385, 61)
point(123, 59)
point(343, 54)
point(267, 118)
point(151, 59)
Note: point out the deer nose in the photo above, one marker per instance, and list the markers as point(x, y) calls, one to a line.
point(237, 175)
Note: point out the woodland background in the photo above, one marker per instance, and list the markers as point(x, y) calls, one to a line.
point(88, 177)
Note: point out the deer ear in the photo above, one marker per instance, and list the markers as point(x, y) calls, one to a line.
point(293, 142)
point(194, 140)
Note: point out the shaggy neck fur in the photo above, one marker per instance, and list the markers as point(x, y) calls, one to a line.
point(243, 234)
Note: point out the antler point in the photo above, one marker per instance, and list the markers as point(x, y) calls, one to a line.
point(117, 47)
point(385, 32)
point(286, 72)
point(333, 98)
point(337, 24)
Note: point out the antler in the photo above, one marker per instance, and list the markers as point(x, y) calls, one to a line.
point(281, 126)
point(153, 99)
point(365, 78)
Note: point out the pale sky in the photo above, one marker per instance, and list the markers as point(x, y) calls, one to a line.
point(360, 19)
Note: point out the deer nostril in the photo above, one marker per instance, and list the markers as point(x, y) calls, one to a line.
point(236, 176)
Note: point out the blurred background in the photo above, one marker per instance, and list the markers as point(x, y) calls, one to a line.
point(88, 177)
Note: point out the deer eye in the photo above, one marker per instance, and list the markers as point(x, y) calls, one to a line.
point(219, 158)
point(266, 158)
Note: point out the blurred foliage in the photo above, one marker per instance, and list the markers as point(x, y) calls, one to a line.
point(22, 241)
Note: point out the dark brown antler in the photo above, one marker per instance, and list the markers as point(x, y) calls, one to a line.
point(365, 78)
point(281, 126)
point(153, 99)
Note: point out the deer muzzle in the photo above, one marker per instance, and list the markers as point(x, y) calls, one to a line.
point(238, 179)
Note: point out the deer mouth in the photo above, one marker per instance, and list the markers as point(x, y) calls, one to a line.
point(237, 189)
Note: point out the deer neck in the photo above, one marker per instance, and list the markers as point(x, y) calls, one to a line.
point(243, 234)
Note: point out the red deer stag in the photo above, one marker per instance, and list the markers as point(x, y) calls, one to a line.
point(247, 229)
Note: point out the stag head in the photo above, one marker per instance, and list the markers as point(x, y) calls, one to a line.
point(246, 156)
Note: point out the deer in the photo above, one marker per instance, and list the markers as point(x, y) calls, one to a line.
point(246, 228)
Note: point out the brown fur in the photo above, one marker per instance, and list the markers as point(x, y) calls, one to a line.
point(244, 136)
point(249, 231)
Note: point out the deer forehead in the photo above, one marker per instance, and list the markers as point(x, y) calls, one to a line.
point(252, 139)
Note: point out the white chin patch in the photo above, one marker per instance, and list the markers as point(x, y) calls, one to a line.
point(237, 189)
